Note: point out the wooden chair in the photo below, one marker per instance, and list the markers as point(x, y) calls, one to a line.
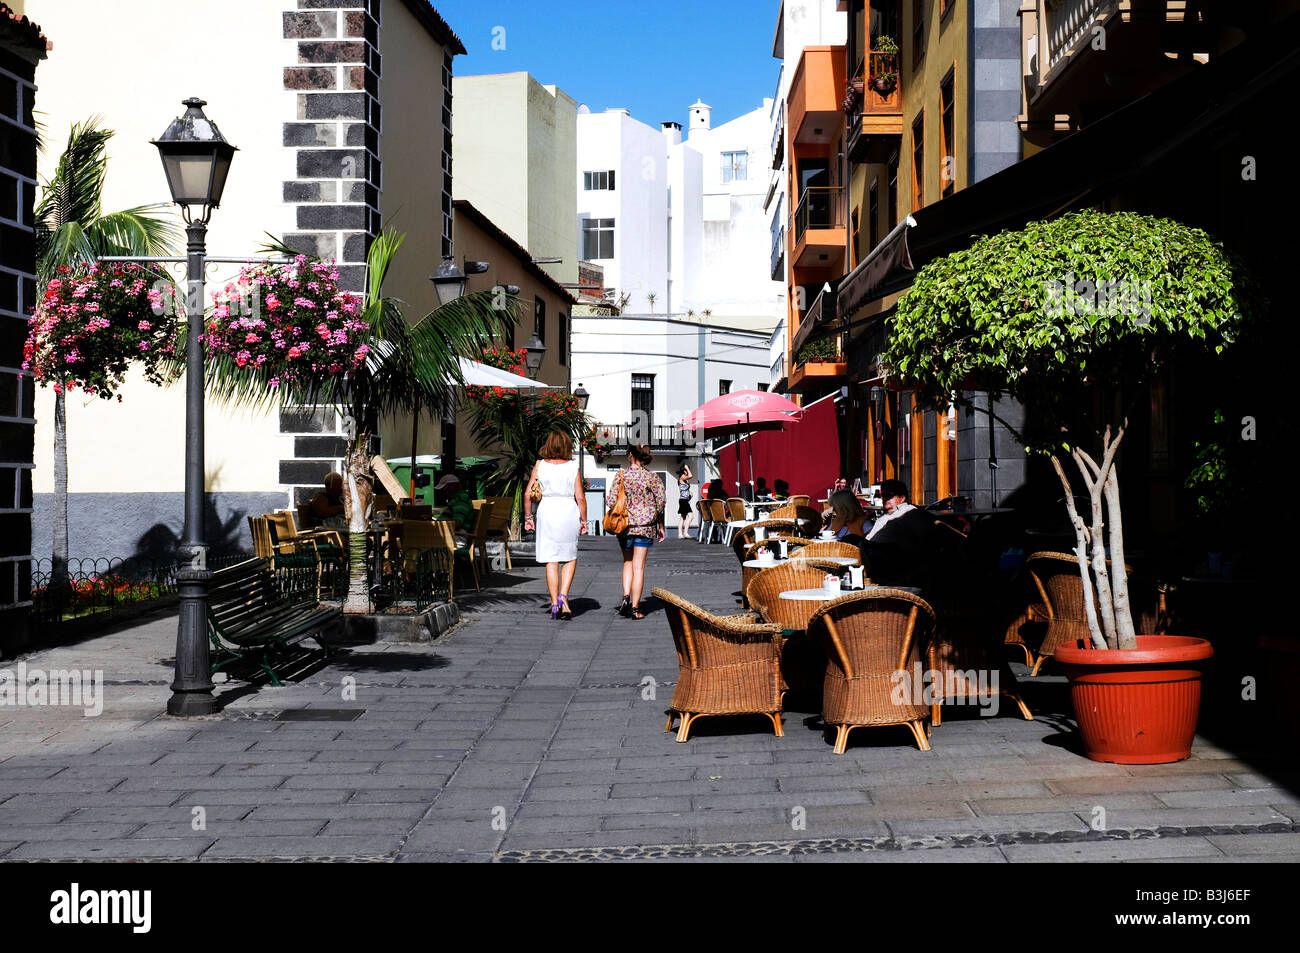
point(499, 528)
point(414, 511)
point(325, 545)
point(259, 528)
point(736, 517)
point(867, 637)
point(705, 516)
point(476, 548)
point(718, 516)
point(415, 537)
point(727, 665)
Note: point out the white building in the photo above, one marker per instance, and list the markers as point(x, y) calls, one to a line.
point(645, 372)
point(680, 220)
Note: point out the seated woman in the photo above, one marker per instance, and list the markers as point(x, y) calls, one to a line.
point(327, 506)
point(849, 520)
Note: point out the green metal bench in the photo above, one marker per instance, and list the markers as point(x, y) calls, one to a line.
point(257, 612)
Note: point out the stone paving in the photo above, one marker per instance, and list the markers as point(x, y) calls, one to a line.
point(514, 738)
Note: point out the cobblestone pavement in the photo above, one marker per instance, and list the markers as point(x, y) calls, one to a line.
point(514, 738)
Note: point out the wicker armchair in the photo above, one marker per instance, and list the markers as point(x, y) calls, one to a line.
point(963, 647)
point(867, 637)
point(801, 499)
point(771, 528)
point(786, 512)
point(809, 520)
point(833, 547)
point(764, 591)
point(728, 665)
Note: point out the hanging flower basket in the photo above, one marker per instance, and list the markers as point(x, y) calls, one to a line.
point(94, 322)
point(288, 322)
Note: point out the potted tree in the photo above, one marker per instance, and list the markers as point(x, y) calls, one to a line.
point(1053, 315)
point(884, 66)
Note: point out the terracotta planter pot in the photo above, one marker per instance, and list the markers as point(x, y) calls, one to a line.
point(1137, 706)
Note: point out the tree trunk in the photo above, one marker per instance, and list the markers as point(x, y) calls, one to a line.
point(59, 585)
point(1097, 535)
point(1126, 636)
point(1081, 552)
point(357, 483)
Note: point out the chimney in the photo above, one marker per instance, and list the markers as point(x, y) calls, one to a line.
point(700, 116)
point(672, 132)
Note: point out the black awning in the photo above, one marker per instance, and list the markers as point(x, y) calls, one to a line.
point(889, 266)
point(823, 311)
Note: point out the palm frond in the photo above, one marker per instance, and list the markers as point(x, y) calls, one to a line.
point(275, 246)
point(144, 230)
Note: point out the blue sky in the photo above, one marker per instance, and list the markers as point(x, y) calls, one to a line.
point(655, 58)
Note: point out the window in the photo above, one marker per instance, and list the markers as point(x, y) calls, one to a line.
point(643, 396)
point(597, 238)
point(762, 387)
point(918, 162)
point(873, 213)
point(918, 31)
point(734, 166)
point(598, 181)
point(539, 319)
point(724, 387)
point(948, 170)
point(563, 331)
point(854, 254)
point(892, 199)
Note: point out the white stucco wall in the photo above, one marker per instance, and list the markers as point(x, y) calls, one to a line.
point(514, 145)
point(127, 62)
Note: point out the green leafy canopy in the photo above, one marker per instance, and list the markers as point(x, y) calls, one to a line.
point(1018, 313)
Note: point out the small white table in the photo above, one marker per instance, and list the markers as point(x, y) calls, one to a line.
point(822, 594)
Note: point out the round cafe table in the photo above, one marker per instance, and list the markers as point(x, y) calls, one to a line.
point(838, 560)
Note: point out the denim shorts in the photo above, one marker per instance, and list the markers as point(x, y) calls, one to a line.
point(627, 542)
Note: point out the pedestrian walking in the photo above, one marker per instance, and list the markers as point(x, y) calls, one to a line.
point(644, 493)
point(684, 510)
point(556, 488)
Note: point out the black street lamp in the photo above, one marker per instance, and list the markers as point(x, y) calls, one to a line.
point(582, 397)
point(449, 284)
point(534, 350)
point(196, 159)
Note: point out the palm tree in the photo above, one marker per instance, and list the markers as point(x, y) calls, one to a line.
point(72, 230)
point(410, 369)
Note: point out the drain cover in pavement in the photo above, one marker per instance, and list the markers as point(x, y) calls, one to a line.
point(320, 714)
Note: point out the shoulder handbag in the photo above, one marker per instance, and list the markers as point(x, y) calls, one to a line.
point(615, 520)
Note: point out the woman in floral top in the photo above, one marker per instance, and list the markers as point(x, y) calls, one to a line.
point(645, 524)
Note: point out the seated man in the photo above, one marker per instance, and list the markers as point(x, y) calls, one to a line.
point(900, 548)
point(782, 490)
point(451, 494)
point(327, 506)
point(761, 490)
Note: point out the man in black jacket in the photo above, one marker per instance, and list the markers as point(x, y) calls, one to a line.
point(900, 549)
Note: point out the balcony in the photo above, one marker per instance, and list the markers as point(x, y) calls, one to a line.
point(817, 353)
point(817, 95)
point(778, 255)
point(615, 437)
point(875, 125)
point(820, 235)
point(1069, 72)
point(778, 139)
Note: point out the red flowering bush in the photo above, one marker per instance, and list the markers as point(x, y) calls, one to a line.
point(93, 322)
point(288, 322)
point(503, 359)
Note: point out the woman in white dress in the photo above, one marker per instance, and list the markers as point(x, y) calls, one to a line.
point(561, 517)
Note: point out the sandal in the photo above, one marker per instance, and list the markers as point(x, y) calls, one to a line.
point(636, 612)
point(625, 609)
point(555, 611)
point(565, 612)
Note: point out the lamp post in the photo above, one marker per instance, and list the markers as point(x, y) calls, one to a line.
point(196, 160)
point(449, 284)
point(582, 398)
